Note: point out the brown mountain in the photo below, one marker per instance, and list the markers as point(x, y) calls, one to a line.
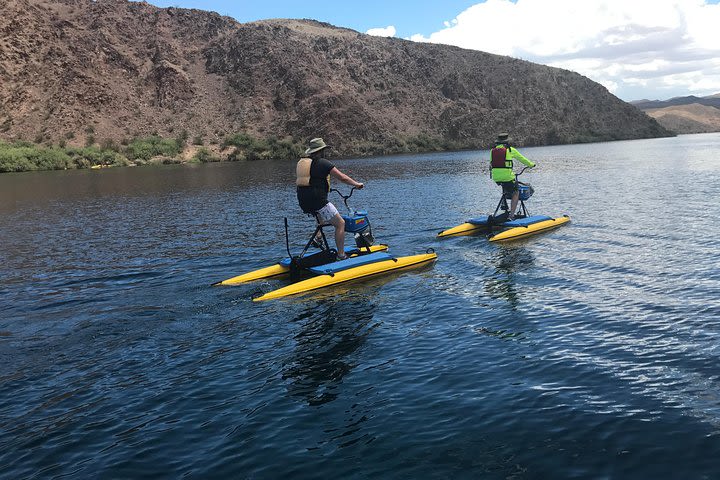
point(114, 69)
point(689, 114)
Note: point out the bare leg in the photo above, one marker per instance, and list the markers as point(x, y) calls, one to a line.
point(339, 224)
point(514, 202)
point(318, 235)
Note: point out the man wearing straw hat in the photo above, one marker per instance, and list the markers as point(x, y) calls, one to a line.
point(313, 184)
point(501, 164)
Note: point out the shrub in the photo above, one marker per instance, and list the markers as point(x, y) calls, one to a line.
point(89, 156)
point(250, 148)
point(240, 140)
point(21, 156)
point(203, 155)
point(109, 144)
point(182, 138)
point(283, 149)
point(146, 148)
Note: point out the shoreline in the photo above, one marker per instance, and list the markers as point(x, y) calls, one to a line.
point(22, 156)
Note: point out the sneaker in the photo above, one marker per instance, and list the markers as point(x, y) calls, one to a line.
point(511, 217)
point(342, 257)
point(316, 243)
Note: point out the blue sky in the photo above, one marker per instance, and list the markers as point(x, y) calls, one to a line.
point(409, 18)
point(654, 49)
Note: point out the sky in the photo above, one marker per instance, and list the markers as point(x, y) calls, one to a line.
point(637, 49)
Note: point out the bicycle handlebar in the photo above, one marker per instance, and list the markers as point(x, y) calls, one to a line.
point(344, 197)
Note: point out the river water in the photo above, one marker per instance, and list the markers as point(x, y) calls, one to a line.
point(588, 352)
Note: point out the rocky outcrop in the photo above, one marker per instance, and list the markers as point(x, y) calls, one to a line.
point(119, 69)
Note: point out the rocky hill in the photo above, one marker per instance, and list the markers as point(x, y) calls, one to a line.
point(689, 114)
point(83, 71)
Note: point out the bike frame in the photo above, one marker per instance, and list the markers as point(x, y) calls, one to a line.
point(324, 245)
point(503, 203)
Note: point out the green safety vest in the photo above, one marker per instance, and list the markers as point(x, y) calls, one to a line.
point(501, 162)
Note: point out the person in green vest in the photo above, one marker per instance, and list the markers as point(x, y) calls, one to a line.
point(501, 169)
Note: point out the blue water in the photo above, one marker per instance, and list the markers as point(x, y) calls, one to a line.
point(587, 352)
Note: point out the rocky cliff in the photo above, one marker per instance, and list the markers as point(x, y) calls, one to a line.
point(84, 70)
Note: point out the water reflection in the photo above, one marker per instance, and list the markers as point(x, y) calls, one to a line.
point(508, 263)
point(332, 331)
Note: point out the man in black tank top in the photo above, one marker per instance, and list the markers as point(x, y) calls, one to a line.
point(313, 184)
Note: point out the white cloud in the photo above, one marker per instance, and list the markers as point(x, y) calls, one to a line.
point(388, 31)
point(672, 46)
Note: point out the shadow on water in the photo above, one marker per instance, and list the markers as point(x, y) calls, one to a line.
point(508, 262)
point(332, 331)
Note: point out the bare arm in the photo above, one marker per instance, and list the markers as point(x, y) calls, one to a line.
point(345, 179)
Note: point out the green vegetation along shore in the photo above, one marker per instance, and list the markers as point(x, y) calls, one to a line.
point(22, 156)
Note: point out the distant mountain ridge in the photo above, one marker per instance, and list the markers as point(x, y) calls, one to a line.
point(82, 71)
point(709, 101)
point(688, 114)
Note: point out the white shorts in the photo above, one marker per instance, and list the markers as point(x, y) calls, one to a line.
point(326, 213)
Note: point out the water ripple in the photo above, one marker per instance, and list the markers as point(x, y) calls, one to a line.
point(586, 352)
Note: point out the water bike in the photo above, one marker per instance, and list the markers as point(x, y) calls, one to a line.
point(322, 265)
point(500, 228)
